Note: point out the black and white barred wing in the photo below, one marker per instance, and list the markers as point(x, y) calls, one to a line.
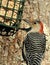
point(33, 48)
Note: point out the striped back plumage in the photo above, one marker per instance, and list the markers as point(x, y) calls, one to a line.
point(35, 44)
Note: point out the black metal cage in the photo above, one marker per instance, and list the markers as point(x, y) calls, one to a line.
point(10, 16)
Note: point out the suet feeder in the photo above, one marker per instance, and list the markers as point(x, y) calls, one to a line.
point(10, 16)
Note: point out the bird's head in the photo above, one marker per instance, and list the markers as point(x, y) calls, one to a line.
point(37, 25)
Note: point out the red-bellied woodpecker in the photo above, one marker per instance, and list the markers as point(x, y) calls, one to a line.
point(34, 44)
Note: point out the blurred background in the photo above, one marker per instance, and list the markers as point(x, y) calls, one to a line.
point(10, 47)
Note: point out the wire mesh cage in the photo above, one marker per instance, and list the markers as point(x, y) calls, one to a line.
point(10, 16)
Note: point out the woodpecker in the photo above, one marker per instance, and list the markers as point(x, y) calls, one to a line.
point(34, 44)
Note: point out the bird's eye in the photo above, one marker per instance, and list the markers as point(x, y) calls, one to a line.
point(34, 22)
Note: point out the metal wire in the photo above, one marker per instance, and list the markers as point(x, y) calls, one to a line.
point(14, 22)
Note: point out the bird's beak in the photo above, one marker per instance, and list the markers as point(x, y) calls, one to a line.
point(27, 21)
point(37, 21)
